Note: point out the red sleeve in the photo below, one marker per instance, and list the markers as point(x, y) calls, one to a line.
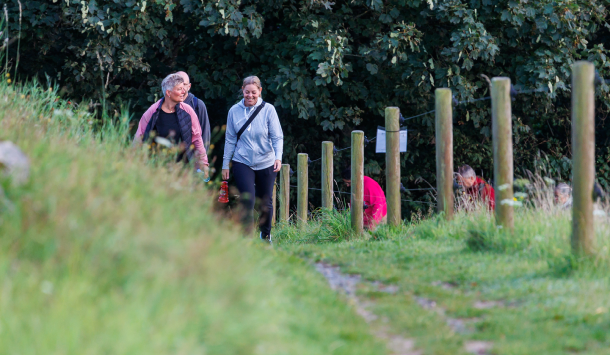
point(490, 195)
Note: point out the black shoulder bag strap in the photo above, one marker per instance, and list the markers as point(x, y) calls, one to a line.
point(252, 117)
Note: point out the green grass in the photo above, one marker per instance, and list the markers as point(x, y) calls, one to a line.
point(106, 252)
point(540, 299)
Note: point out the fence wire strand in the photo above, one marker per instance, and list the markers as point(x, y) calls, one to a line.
point(403, 119)
point(349, 193)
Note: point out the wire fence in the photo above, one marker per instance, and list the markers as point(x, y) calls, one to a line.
point(455, 102)
point(402, 188)
point(513, 93)
point(583, 125)
point(349, 193)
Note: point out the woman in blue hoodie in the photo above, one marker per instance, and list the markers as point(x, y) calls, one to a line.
point(256, 154)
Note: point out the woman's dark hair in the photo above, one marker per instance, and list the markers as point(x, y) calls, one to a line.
point(346, 173)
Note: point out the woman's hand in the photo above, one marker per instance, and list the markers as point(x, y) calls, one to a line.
point(204, 174)
point(277, 166)
point(225, 174)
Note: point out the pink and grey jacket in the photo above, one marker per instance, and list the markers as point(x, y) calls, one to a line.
point(189, 127)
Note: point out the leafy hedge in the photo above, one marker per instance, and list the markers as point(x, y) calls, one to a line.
point(331, 67)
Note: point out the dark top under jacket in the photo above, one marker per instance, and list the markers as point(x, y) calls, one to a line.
point(167, 126)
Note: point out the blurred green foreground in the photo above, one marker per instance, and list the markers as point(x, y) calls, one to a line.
point(104, 253)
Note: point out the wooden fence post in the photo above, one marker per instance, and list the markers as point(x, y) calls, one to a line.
point(274, 203)
point(302, 178)
point(583, 156)
point(327, 175)
point(502, 133)
point(357, 182)
point(392, 163)
point(285, 193)
point(444, 151)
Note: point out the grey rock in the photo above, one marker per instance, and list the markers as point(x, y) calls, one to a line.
point(478, 347)
point(487, 304)
point(14, 163)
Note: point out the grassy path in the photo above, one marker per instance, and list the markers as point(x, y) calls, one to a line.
point(462, 287)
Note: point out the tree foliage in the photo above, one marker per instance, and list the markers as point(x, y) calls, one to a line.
point(331, 67)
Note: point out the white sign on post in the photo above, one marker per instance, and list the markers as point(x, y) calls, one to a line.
point(380, 146)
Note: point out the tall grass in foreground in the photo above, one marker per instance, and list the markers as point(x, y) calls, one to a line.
point(325, 226)
point(329, 226)
point(103, 253)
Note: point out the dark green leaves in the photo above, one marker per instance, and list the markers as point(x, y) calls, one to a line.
point(372, 68)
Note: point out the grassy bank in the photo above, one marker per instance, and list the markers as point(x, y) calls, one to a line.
point(102, 252)
point(465, 280)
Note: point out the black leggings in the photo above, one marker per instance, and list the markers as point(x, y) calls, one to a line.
point(257, 183)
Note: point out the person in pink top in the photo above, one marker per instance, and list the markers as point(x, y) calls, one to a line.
point(375, 207)
point(172, 119)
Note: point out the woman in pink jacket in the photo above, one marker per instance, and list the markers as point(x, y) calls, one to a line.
point(172, 119)
point(375, 206)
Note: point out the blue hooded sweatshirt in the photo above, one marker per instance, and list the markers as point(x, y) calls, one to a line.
point(261, 144)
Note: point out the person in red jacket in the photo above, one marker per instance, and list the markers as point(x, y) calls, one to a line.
point(476, 188)
point(375, 207)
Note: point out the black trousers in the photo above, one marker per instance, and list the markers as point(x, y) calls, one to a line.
point(255, 185)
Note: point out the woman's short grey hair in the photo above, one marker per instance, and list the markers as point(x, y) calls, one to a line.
point(466, 171)
point(563, 189)
point(170, 82)
point(252, 80)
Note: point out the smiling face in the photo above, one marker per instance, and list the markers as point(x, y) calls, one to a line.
point(177, 94)
point(251, 94)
